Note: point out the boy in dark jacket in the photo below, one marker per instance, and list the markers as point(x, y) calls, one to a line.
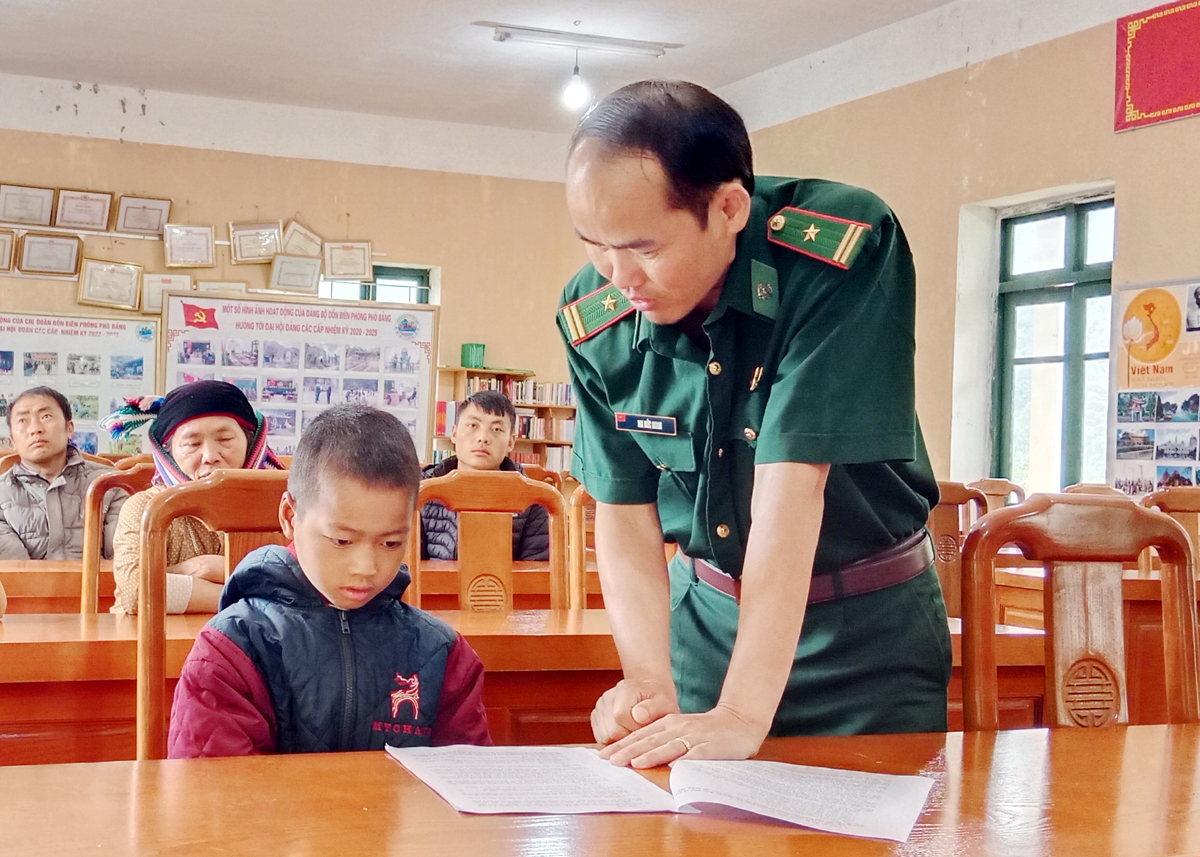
point(483, 436)
point(313, 650)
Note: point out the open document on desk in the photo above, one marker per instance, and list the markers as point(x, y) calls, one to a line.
point(567, 780)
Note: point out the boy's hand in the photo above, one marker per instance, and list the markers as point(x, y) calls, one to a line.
point(629, 706)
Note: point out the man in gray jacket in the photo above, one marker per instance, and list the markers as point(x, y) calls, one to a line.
point(41, 497)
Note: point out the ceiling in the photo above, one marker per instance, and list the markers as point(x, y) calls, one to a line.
point(415, 59)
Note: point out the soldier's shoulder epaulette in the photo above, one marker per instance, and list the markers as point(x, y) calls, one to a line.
point(592, 313)
point(831, 239)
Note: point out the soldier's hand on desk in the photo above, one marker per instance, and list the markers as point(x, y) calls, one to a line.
point(718, 734)
point(629, 706)
point(206, 566)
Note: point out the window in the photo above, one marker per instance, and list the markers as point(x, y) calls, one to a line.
point(392, 284)
point(1051, 390)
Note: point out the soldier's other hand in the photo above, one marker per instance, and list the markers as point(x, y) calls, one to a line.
point(631, 705)
point(721, 733)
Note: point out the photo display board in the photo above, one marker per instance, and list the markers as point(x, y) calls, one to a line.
point(95, 362)
point(295, 357)
point(1154, 434)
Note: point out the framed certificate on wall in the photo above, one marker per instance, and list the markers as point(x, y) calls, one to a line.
point(348, 260)
point(83, 209)
point(110, 284)
point(8, 243)
point(43, 253)
point(142, 216)
point(255, 243)
point(31, 205)
point(188, 246)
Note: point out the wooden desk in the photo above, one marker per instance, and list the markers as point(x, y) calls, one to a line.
point(67, 687)
point(531, 586)
point(1102, 793)
point(50, 585)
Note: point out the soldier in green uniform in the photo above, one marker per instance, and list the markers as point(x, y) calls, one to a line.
point(742, 353)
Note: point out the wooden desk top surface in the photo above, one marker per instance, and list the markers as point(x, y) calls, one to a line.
point(1118, 791)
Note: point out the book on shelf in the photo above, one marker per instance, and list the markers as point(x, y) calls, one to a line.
point(444, 417)
point(558, 458)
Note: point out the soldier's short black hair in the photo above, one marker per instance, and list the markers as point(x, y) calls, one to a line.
point(49, 393)
point(700, 141)
point(490, 402)
point(358, 442)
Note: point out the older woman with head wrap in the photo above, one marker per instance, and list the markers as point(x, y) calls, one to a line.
point(195, 430)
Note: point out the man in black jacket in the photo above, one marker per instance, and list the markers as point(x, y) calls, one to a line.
point(483, 436)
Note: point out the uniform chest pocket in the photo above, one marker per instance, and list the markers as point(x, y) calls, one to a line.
point(669, 452)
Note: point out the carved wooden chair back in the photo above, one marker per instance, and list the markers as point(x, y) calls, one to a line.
point(134, 460)
point(581, 536)
point(1082, 540)
point(1098, 488)
point(958, 508)
point(485, 502)
point(1182, 504)
point(241, 504)
point(8, 460)
point(998, 491)
point(132, 480)
point(541, 474)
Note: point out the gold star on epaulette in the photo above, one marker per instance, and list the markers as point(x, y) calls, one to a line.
point(830, 239)
point(590, 314)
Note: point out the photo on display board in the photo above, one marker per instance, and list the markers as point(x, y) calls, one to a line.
point(1135, 444)
point(182, 378)
point(282, 390)
point(86, 441)
point(125, 367)
point(197, 353)
point(1134, 478)
point(128, 445)
point(1173, 476)
point(322, 357)
point(84, 407)
point(281, 355)
point(320, 391)
point(4, 407)
point(248, 386)
point(1192, 313)
point(306, 419)
point(239, 352)
point(359, 359)
point(360, 391)
point(1139, 407)
point(1174, 444)
point(399, 394)
point(6, 362)
point(1177, 406)
point(41, 364)
point(280, 421)
point(83, 364)
point(403, 360)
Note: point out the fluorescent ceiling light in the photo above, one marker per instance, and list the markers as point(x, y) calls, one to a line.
point(578, 41)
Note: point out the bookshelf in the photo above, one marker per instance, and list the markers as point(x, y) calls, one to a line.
point(545, 412)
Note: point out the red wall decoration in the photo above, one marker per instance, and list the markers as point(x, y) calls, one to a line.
point(1158, 65)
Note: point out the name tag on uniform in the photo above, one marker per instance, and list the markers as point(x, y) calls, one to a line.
point(647, 423)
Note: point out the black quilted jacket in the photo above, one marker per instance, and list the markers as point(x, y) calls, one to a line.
point(439, 526)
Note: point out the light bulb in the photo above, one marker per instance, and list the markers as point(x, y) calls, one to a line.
point(576, 94)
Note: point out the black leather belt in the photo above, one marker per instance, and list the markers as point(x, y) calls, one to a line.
point(902, 561)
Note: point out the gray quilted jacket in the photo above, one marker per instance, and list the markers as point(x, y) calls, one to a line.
point(44, 520)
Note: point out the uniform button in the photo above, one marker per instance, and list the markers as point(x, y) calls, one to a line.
point(750, 434)
point(777, 222)
point(714, 368)
point(662, 466)
point(722, 530)
point(721, 452)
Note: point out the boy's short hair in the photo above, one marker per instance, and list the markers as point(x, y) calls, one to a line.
point(49, 393)
point(490, 402)
point(355, 441)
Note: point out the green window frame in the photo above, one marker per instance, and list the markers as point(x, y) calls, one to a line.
point(415, 280)
point(1072, 284)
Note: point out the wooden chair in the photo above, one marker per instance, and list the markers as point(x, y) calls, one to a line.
point(581, 537)
point(1098, 488)
point(541, 474)
point(7, 461)
point(485, 503)
point(998, 491)
point(958, 508)
point(1082, 540)
point(110, 457)
point(244, 505)
point(134, 479)
point(134, 460)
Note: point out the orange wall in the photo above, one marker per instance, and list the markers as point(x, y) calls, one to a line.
point(1034, 119)
point(505, 246)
